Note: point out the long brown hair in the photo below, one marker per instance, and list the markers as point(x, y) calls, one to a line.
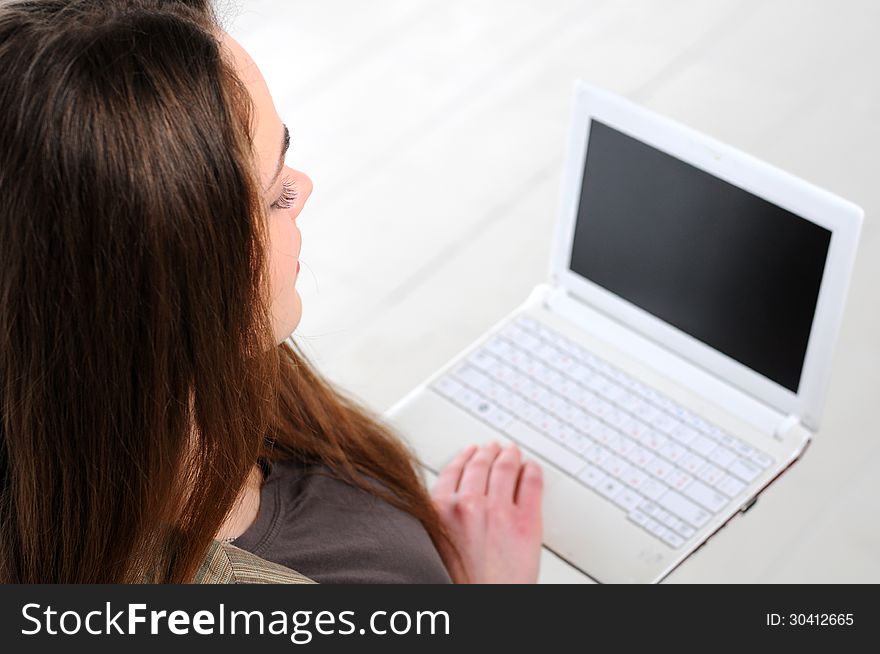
point(138, 380)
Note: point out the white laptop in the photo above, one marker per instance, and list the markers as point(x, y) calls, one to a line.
point(675, 363)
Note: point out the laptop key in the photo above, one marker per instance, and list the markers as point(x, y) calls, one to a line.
point(467, 399)
point(683, 529)
point(595, 454)
point(692, 463)
point(683, 508)
point(575, 441)
point(670, 520)
point(672, 451)
point(653, 489)
point(498, 346)
point(710, 474)
point(512, 402)
point(721, 456)
point(657, 528)
point(671, 538)
point(654, 440)
point(498, 418)
point(638, 517)
point(614, 465)
point(683, 434)
point(702, 445)
point(678, 479)
point(627, 499)
point(447, 387)
point(561, 457)
point(591, 475)
point(634, 477)
point(483, 360)
point(731, 486)
point(473, 377)
point(705, 496)
point(761, 459)
point(745, 470)
point(660, 468)
point(609, 488)
point(639, 456)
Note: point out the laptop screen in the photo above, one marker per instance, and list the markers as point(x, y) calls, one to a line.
point(732, 270)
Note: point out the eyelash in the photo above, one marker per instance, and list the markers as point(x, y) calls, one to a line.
point(288, 195)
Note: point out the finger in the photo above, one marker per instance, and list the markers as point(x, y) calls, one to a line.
point(475, 477)
point(530, 487)
point(504, 473)
point(449, 478)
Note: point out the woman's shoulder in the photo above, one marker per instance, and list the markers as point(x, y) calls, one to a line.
point(225, 563)
point(315, 520)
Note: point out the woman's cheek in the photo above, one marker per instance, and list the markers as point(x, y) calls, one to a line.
point(286, 304)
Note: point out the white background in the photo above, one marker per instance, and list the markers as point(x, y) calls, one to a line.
point(434, 132)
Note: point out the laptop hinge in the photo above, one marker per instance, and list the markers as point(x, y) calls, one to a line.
point(785, 426)
point(767, 419)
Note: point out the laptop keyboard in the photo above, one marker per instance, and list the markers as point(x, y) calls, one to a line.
point(668, 469)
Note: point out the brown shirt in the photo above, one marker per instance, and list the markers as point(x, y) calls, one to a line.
point(333, 532)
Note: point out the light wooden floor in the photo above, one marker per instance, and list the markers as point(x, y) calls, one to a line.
point(434, 133)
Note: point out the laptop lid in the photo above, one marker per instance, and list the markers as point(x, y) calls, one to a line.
point(731, 263)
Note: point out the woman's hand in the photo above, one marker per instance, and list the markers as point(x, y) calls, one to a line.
point(491, 504)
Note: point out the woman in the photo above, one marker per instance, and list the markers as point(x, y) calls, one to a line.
point(149, 404)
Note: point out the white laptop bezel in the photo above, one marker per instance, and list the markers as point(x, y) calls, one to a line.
point(839, 216)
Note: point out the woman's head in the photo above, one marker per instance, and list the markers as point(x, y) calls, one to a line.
point(147, 266)
point(136, 315)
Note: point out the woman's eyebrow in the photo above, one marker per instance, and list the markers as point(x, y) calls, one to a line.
point(285, 145)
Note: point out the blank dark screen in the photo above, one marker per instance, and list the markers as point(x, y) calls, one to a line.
point(731, 269)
